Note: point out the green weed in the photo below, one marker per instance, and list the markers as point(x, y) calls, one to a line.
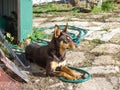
point(106, 29)
point(87, 64)
point(98, 41)
point(5, 50)
point(108, 6)
point(96, 10)
point(50, 8)
point(75, 10)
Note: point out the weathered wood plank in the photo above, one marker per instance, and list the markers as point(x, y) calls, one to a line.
point(10, 65)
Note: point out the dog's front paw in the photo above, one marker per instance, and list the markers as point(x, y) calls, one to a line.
point(84, 76)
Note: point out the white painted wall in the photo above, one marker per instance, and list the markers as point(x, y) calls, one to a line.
point(44, 1)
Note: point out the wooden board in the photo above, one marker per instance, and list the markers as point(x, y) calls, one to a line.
point(10, 65)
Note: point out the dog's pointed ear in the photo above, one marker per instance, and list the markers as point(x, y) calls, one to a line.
point(57, 31)
point(66, 28)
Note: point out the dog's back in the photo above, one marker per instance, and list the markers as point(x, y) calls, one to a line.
point(36, 53)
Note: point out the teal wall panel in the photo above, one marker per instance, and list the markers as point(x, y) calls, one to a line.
point(25, 18)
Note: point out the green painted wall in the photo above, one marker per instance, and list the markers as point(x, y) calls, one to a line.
point(25, 18)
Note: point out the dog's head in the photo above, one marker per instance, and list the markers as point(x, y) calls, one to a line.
point(63, 38)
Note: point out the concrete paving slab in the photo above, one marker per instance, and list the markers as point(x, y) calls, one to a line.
point(105, 60)
point(106, 49)
point(95, 84)
point(102, 70)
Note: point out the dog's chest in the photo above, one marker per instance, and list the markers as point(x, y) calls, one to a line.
point(61, 63)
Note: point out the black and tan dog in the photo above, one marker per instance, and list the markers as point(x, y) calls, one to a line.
point(52, 56)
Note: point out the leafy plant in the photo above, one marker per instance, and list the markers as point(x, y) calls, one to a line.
point(5, 50)
point(108, 5)
point(9, 37)
point(36, 35)
point(76, 10)
point(109, 1)
point(96, 9)
point(50, 8)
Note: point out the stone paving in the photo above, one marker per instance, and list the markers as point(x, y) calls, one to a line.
point(102, 61)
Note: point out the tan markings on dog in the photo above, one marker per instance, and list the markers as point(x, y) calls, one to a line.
point(54, 65)
point(63, 47)
point(72, 45)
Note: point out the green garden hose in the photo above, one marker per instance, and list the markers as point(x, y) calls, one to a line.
point(79, 80)
point(76, 38)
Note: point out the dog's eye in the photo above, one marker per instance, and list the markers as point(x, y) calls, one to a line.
point(68, 38)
